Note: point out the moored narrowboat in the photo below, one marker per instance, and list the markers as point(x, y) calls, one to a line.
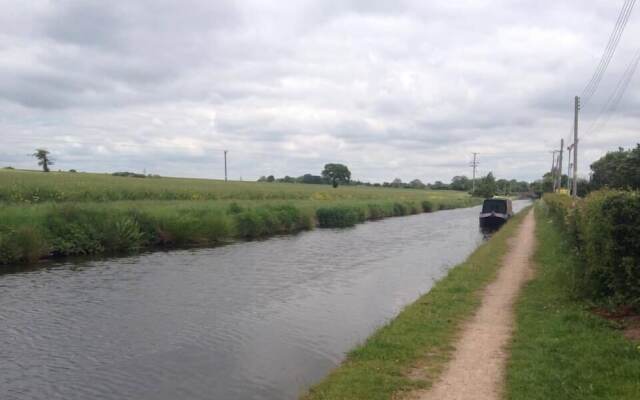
point(495, 212)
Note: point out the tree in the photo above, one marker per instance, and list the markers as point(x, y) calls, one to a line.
point(460, 183)
point(397, 183)
point(336, 174)
point(486, 187)
point(43, 159)
point(417, 184)
point(311, 179)
point(270, 178)
point(619, 169)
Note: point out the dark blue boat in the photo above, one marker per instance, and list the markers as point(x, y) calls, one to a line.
point(495, 212)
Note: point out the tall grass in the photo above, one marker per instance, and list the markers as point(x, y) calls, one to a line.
point(62, 214)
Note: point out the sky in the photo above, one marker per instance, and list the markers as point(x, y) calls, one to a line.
point(393, 89)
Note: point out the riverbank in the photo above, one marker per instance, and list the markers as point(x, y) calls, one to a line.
point(561, 348)
point(411, 351)
point(78, 224)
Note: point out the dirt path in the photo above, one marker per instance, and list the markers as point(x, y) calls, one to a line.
point(476, 370)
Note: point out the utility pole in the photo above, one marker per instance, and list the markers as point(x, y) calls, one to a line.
point(569, 165)
point(474, 164)
point(574, 191)
point(225, 165)
point(559, 186)
point(553, 170)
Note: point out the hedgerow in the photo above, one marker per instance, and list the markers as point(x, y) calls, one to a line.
point(604, 230)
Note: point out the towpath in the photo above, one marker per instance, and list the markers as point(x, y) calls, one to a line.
point(476, 370)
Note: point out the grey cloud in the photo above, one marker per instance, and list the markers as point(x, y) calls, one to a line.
point(411, 85)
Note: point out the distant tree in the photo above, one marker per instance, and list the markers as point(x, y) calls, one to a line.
point(287, 179)
point(262, 179)
point(439, 185)
point(311, 179)
point(486, 187)
point(73, 171)
point(336, 174)
point(43, 159)
point(460, 183)
point(618, 169)
point(417, 184)
point(397, 183)
point(270, 178)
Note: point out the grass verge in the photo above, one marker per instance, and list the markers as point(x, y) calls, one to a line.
point(561, 350)
point(31, 232)
point(421, 335)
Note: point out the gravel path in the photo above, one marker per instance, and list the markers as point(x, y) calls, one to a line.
point(476, 370)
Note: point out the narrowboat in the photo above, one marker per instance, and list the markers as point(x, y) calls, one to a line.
point(495, 212)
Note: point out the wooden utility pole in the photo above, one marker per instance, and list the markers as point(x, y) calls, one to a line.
point(559, 186)
point(225, 165)
point(474, 164)
point(553, 170)
point(574, 190)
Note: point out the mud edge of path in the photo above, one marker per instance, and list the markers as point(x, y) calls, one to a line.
point(476, 370)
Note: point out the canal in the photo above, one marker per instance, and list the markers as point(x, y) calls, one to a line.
point(256, 320)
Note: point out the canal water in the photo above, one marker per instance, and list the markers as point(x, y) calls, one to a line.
point(257, 320)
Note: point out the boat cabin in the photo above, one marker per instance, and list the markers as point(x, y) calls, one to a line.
point(495, 212)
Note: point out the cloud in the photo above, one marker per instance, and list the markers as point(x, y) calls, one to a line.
point(394, 89)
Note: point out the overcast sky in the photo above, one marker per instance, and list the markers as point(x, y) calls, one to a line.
point(402, 89)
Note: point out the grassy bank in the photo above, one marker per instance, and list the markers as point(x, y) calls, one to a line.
point(425, 330)
point(31, 230)
point(561, 350)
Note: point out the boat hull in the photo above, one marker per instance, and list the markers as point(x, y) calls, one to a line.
point(493, 220)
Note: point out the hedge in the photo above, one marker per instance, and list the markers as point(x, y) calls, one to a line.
point(604, 229)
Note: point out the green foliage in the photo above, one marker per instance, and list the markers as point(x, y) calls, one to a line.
point(617, 170)
point(486, 187)
point(43, 158)
point(336, 174)
point(24, 243)
point(561, 350)
point(427, 206)
point(337, 216)
point(604, 230)
point(85, 214)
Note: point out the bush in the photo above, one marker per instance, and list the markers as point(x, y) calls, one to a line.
point(24, 244)
point(337, 216)
point(400, 209)
point(427, 206)
point(604, 229)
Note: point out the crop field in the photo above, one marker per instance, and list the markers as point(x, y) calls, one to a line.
point(29, 187)
point(62, 214)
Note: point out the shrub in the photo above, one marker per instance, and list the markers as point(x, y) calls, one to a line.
point(427, 206)
point(23, 244)
point(400, 209)
point(376, 211)
point(337, 216)
point(604, 229)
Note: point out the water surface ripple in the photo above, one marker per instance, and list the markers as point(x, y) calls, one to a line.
point(257, 320)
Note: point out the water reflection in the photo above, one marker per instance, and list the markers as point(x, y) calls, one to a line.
point(259, 320)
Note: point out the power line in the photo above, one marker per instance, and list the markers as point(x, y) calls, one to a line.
point(614, 99)
point(609, 51)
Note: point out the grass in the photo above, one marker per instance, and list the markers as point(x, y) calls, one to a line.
point(561, 350)
point(32, 187)
point(61, 214)
point(421, 336)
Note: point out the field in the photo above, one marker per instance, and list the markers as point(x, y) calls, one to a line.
point(60, 214)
